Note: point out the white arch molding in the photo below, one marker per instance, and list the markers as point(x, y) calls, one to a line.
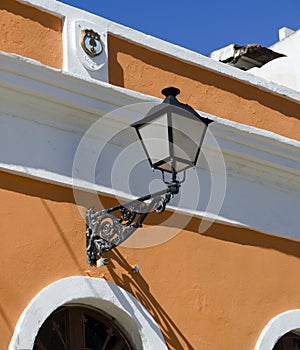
point(276, 328)
point(136, 321)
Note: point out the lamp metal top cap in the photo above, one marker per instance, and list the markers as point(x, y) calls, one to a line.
point(170, 91)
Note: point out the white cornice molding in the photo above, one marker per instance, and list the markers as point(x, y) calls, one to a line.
point(60, 106)
point(94, 98)
point(21, 73)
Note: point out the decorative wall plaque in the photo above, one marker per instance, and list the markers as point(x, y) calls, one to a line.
point(88, 54)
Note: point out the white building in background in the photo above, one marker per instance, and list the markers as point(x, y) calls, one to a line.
point(261, 61)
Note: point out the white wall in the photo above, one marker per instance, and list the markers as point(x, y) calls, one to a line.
point(283, 70)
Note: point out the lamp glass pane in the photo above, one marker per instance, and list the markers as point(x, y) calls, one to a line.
point(155, 138)
point(179, 166)
point(165, 166)
point(187, 137)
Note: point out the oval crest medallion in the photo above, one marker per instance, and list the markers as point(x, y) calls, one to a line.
point(91, 42)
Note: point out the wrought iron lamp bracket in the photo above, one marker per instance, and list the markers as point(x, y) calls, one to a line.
point(105, 231)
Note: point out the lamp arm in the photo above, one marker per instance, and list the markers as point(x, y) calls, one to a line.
point(104, 231)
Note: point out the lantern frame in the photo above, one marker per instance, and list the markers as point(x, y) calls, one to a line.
point(170, 108)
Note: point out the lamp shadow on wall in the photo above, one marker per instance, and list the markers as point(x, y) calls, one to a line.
point(5, 319)
point(138, 287)
point(58, 194)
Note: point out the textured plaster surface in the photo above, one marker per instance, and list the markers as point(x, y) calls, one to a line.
point(31, 33)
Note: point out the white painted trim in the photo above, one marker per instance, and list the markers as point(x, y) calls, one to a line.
point(71, 13)
point(276, 328)
point(87, 95)
point(60, 180)
point(136, 321)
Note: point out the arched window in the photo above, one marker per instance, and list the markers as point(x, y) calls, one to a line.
point(281, 333)
point(80, 328)
point(102, 305)
point(290, 341)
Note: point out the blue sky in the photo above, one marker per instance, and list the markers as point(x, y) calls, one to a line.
point(201, 26)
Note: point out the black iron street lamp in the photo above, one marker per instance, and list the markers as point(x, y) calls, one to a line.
point(171, 134)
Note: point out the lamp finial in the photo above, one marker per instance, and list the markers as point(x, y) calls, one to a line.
point(170, 91)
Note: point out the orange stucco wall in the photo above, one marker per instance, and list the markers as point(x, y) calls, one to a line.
point(140, 69)
point(207, 291)
point(30, 33)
